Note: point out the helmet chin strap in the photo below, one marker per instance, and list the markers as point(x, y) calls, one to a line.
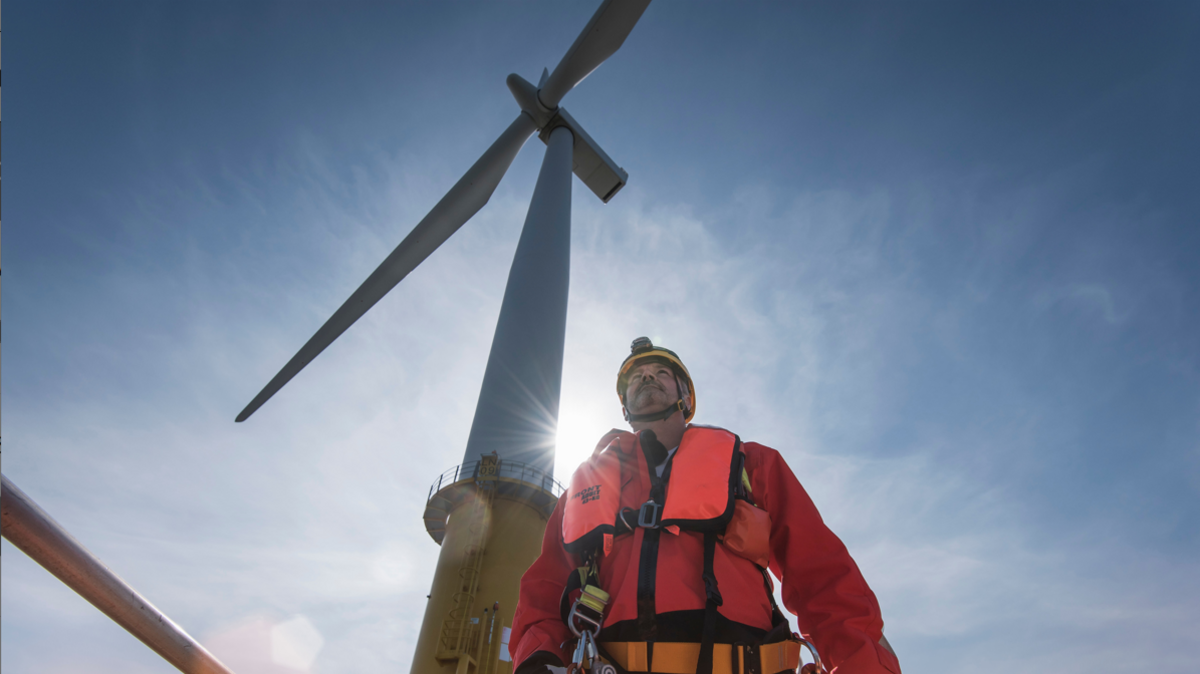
point(654, 416)
point(658, 416)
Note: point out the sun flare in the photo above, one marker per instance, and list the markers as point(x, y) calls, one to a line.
point(581, 424)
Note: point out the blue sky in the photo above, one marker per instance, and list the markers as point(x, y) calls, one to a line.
point(940, 255)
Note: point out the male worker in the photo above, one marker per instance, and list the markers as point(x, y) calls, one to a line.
point(668, 530)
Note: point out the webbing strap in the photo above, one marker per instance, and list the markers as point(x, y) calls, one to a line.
point(647, 620)
point(655, 416)
point(777, 617)
point(712, 601)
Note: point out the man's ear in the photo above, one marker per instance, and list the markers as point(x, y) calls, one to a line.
point(685, 392)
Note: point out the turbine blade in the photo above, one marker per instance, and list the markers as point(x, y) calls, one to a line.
point(601, 38)
point(463, 200)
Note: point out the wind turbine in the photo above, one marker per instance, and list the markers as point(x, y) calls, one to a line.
point(498, 499)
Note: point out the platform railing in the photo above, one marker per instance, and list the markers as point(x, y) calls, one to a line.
point(514, 470)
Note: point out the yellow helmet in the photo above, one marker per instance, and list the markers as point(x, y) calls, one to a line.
point(642, 350)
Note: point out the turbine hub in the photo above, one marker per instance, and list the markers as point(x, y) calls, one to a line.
point(527, 97)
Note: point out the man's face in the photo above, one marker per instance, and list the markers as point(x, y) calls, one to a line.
point(650, 388)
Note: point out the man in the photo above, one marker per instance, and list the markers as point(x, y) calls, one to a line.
point(674, 523)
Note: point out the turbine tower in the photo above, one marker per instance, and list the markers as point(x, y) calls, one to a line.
point(489, 512)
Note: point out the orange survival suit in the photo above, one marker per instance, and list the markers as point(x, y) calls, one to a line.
point(655, 578)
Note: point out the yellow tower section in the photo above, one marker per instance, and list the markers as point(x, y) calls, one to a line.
point(489, 517)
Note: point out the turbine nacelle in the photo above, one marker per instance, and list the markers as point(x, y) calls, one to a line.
point(588, 161)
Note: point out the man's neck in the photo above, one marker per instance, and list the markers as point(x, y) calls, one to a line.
point(669, 430)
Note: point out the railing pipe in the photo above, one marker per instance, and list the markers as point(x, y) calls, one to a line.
point(507, 469)
point(36, 534)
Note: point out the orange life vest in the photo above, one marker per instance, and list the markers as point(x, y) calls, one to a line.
point(705, 475)
point(701, 490)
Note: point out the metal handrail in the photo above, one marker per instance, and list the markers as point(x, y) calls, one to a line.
point(515, 470)
point(36, 534)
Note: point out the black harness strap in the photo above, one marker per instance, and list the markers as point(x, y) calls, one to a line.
point(777, 617)
point(647, 577)
point(648, 560)
point(713, 600)
point(753, 660)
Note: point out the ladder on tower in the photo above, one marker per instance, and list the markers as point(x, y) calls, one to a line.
point(460, 633)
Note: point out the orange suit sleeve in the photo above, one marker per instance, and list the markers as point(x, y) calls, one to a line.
point(537, 625)
point(835, 609)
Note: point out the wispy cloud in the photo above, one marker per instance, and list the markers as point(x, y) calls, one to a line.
point(1088, 297)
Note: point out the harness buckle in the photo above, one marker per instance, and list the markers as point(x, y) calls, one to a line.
point(587, 613)
point(584, 616)
point(648, 515)
point(711, 592)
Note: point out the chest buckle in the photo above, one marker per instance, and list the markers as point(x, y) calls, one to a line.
point(648, 516)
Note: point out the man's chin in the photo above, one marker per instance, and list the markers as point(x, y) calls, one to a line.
point(650, 409)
